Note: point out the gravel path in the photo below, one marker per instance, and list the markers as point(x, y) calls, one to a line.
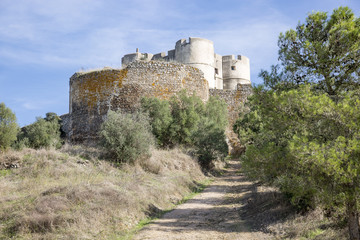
point(212, 214)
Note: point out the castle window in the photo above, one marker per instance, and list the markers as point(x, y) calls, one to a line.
point(233, 68)
point(216, 71)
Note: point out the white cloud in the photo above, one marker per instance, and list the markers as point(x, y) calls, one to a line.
point(40, 40)
point(33, 20)
point(84, 31)
point(32, 104)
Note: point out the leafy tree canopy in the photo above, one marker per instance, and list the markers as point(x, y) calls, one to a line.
point(324, 51)
point(302, 131)
point(8, 127)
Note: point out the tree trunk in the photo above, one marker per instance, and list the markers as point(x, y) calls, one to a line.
point(353, 219)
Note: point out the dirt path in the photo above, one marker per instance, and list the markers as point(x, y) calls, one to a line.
point(213, 214)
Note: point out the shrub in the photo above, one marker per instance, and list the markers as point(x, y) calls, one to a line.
point(210, 143)
point(209, 139)
point(21, 143)
point(186, 112)
point(8, 127)
point(160, 118)
point(186, 120)
point(43, 132)
point(216, 112)
point(126, 137)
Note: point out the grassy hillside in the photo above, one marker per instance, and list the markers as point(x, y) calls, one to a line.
point(71, 194)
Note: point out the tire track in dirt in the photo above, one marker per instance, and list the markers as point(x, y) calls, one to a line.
point(213, 214)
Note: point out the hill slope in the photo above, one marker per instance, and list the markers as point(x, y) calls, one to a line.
point(49, 194)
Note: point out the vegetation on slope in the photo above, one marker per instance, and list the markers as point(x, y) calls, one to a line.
point(186, 120)
point(302, 129)
point(8, 127)
point(70, 193)
point(102, 192)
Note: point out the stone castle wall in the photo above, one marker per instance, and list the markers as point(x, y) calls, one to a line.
point(234, 99)
point(222, 72)
point(93, 94)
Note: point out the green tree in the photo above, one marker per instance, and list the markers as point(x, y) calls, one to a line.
point(302, 131)
point(216, 111)
point(266, 130)
point(43, 133)
point(309, 146)
point(329, 149)
point(249, 123)
point(186, 120)
point(8, 127)
point(209, 138)
point(186, 111)
point(210, 143)
point(324, 51)
point(160, 118)
point(126, 136)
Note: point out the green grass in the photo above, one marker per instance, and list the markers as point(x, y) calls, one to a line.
point(313, 234)
point(130, 234)
point(196, 190)
point(4, 172)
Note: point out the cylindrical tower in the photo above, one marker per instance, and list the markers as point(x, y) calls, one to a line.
point(235, 71)
point(199, 53)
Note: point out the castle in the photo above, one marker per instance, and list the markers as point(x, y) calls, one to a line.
point(222, 72)
point(192, 65)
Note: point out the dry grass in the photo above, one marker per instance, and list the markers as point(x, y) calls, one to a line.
point(269, 211)
point(312, 225)
point(71, 194)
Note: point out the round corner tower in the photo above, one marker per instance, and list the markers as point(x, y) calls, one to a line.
point(199, 53)
point(235, 71)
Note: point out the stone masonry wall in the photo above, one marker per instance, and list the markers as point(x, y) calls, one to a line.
point(234, 100)
point(94, 93)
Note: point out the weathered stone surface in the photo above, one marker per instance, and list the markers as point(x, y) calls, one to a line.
point(65, 124)
point(222, 72)
point(93, 94)
point(234, 99)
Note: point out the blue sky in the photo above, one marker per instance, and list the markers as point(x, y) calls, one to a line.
point(44, 42)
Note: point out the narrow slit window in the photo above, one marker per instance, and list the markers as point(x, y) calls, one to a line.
point(233, 68)
point(216, 71)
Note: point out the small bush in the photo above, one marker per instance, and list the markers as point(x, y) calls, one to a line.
point(8, 127)
point(21, 143)
point(126, 137)
point(44, 132)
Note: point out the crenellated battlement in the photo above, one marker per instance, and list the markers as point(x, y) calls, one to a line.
point(192, 66)
point(222, 72)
